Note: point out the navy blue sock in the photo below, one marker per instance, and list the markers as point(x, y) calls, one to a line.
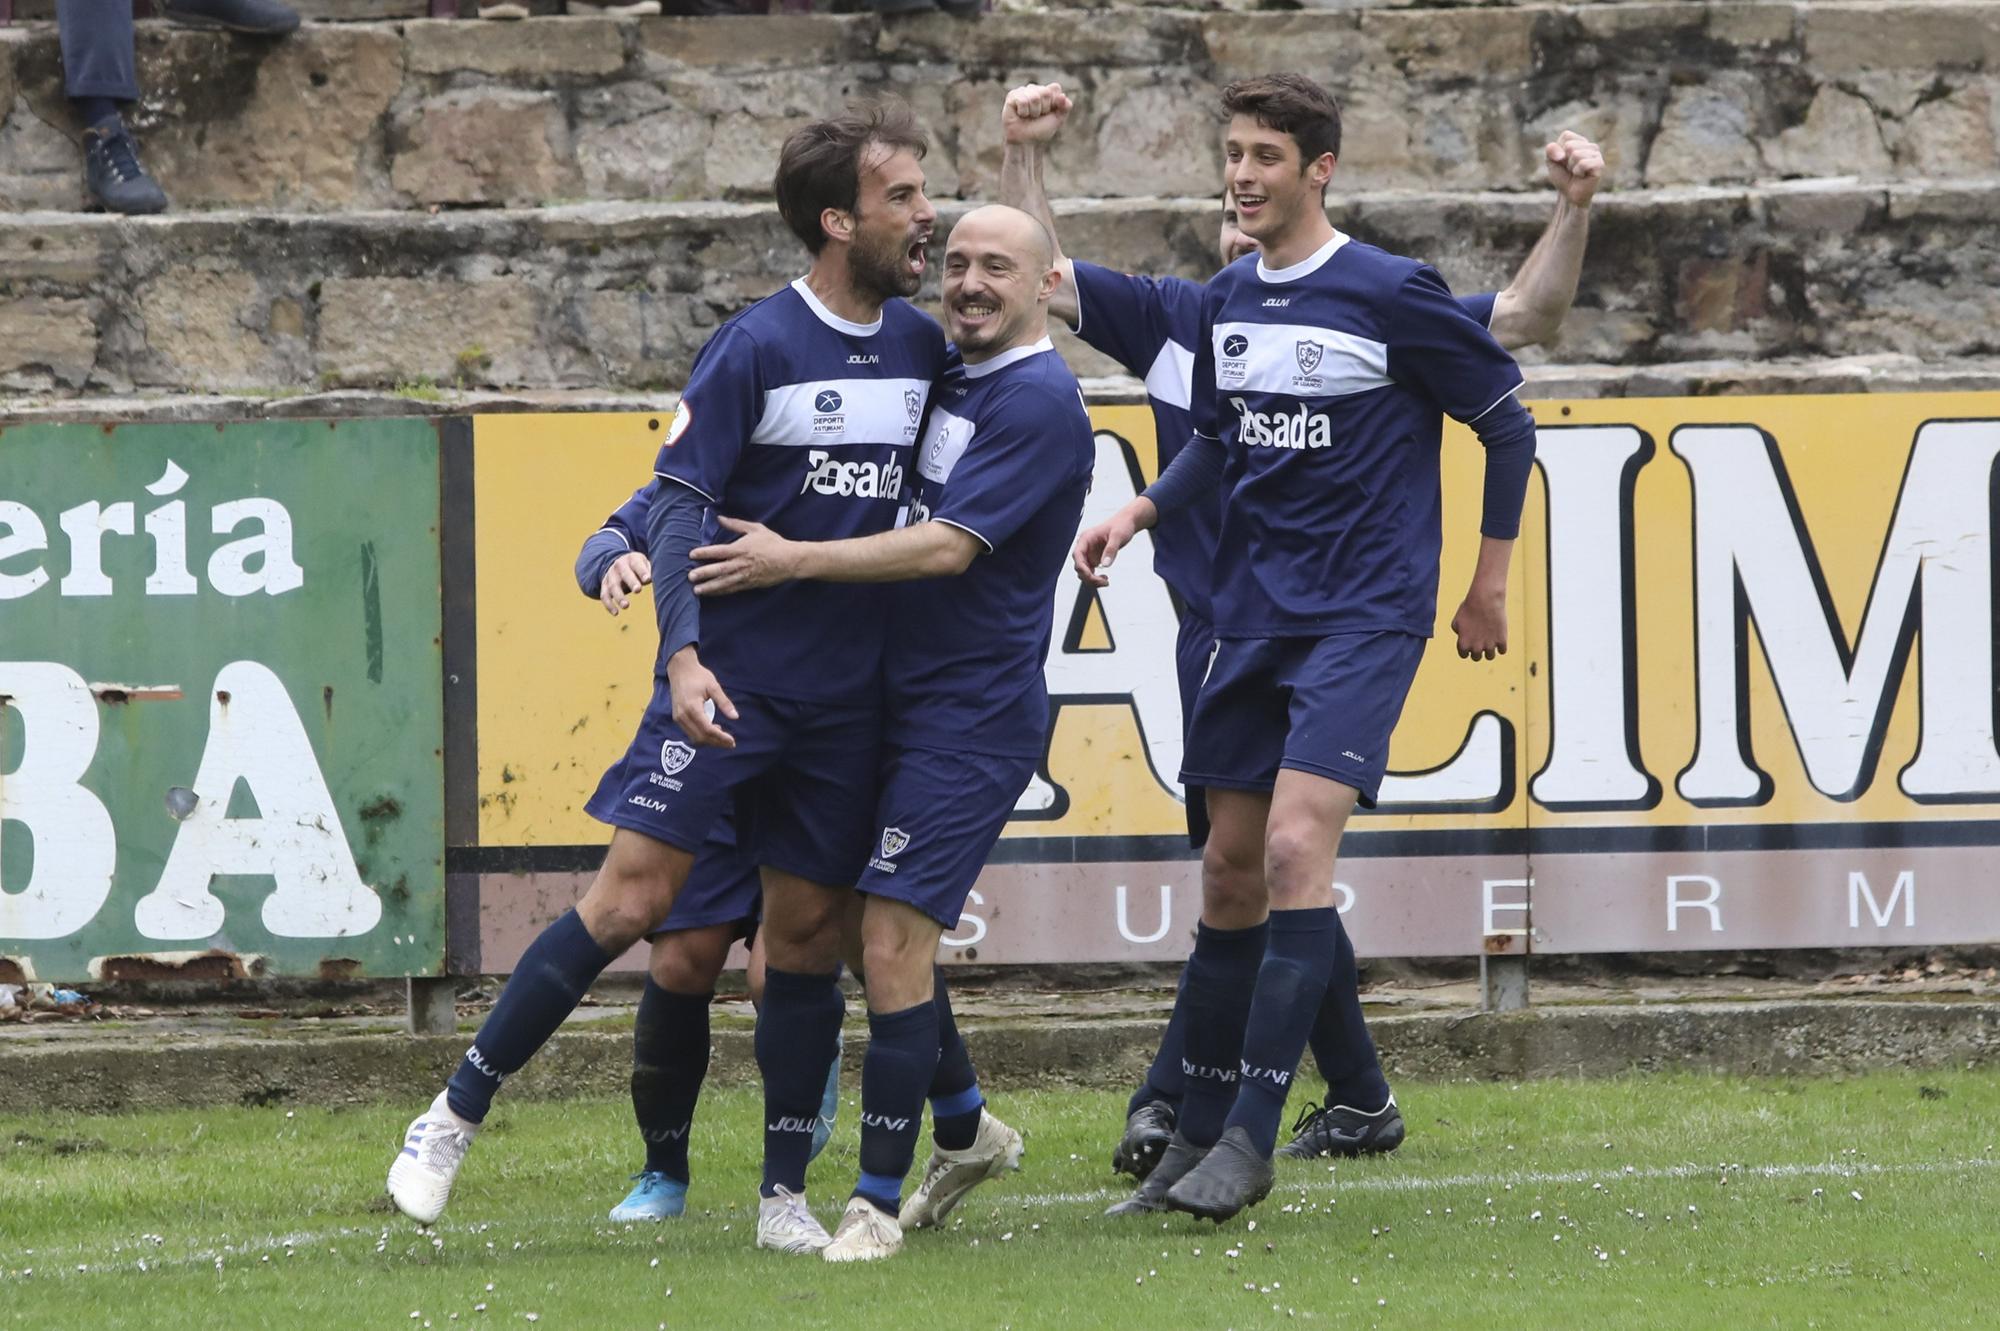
point(1220, 977)
point(1290, 984)
point(1340, 1042)
point(548, 982)
point(798, 1030)
point(901, 1060)
point(1165, 1080)
point(669, 1061)
point(95, 110)
point(955, 1099)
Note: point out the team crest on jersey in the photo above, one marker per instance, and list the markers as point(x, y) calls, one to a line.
point(1309, 354)
point(894, 839)
point(913, 402)
point(683, 417)
point(675, 755)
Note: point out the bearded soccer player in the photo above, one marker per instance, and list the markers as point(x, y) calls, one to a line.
point(1150, 326)
point(1322, 373)
point(798, 412)
point(1001, 476)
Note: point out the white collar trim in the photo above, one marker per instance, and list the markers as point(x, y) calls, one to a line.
point(829, 318)
point(1008, 357)
point(1310, 264)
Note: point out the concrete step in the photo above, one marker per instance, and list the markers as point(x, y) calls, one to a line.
point(447, 113)
point(621, 295)
point(85, 1073)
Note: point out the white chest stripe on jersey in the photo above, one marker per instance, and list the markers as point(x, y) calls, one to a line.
point(828, 412)
point(1297, 359)
point(1171, 378)
point(944, 444)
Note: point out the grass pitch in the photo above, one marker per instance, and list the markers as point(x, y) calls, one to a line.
point(1675, 1201)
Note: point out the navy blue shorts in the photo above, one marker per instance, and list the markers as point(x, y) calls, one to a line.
point(1193, 646)
point(1321, 705)
point(941, 813)
point(801, 783)
point(723, 887)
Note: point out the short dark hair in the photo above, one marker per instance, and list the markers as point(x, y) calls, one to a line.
point(820, 164)
point(1291, 104)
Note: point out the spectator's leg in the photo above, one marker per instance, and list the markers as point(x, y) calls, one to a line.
point(99, 69)
point(99, 72)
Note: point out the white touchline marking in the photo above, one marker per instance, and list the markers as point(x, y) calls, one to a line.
point(1413, 1183)
point(60, 1262)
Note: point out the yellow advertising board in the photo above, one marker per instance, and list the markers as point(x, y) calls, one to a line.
point(1749, 699)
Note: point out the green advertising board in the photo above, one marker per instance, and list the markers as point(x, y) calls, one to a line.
point(220, 700)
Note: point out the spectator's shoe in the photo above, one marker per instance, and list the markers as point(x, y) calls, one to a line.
point(951, 1174)
point(112, 174)
point(1229, 1178)
point(505, 11)
point(433, 1148)
point(866, 1233)
point(786, 1224)
point(635, 9)
point(829, 1107)
point(654, 1196)
point(1339, 1130)
point(262, 18)
point(1175, 1162)
point(902, 6)
point(1147, 1132)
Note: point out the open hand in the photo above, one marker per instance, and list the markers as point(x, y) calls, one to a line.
point(758, 557)
point(1097, 547)
point(698, 698)
point(627, 574)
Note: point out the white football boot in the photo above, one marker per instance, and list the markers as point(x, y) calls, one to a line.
point(951, 1174)
point(420, 1179)
point(866, 1233)
point(786, 1224)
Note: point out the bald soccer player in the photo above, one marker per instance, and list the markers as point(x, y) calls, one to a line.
point(1002, 471)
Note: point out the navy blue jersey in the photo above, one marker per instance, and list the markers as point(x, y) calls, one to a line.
point(1327, 384)
point(803, 421)
point(1007, 456)
point(1150, 325)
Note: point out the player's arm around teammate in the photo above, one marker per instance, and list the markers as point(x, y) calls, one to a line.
point(1000, 478)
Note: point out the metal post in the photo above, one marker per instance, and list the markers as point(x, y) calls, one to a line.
point(433, 1005)
point(1503, 983)
point(1503, 960)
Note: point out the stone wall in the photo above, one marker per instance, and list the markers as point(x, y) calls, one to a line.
point(448, 114)
point(621, 295)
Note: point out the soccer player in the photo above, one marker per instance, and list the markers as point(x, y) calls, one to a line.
point(1150, 326)
point(798, 412)
point(718, 905)
point(1001, 476)
point(1321, 376)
